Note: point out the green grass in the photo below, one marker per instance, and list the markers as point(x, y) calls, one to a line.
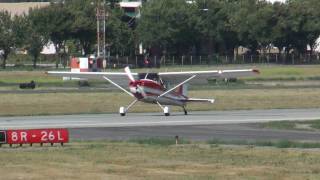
point(279, 125)
point(123, 160)
point(230, 96)
point(10, 79)
point(278, 144)
point(293, 125)
point(13, 77)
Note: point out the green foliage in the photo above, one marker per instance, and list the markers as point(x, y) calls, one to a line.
point(171, 27)
point(37, 34)
point(83, 27)
point(6, 35)
point(58, 25)
point(120, 36)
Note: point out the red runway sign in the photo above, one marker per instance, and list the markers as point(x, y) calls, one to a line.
point(37, 136)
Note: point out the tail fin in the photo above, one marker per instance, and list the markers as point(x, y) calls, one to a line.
point(182, 90)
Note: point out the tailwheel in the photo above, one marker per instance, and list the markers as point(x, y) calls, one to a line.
point(166, 111)
point(122, 111)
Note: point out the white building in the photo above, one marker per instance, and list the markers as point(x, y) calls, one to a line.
point(283, 1)
point(318, 46)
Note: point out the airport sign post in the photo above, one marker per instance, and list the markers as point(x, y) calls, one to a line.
point(41, 136)
point(3, 137)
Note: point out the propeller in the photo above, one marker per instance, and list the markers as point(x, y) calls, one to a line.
point(129, 74)
point(139, 89)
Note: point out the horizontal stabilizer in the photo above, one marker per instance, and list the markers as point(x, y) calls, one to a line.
point(200, 100)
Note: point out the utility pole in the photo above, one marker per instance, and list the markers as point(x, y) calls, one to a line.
point(101, 31)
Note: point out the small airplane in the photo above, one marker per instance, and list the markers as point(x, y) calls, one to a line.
point(152, 87)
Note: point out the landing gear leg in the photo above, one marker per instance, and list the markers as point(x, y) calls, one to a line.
point(123, 110)
point(166, 109)
point(185, 110)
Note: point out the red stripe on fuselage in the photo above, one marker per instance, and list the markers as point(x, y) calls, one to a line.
point(146, 83)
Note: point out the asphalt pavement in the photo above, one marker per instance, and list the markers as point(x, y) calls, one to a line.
point(237, 125)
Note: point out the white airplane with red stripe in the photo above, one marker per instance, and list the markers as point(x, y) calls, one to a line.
point(151, 87)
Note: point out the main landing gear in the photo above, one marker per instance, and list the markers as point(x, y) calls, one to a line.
point(123, 110)
point(166, 109)
point(185, 111)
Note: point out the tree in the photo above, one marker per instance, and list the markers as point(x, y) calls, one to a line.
point(244, 19)
point(216, 26)
point(297, 25)
point(84, 25)
point(280, 32)
point(307, 13)
point(168, 25)
point(7, 37)
point(120, 36)
point(57, 24)
point(37, 34)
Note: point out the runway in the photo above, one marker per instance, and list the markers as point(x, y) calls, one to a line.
point(196, 126)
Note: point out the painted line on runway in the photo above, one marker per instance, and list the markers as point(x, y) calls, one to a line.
point(141, 124)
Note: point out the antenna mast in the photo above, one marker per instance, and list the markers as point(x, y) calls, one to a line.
point(101, 31)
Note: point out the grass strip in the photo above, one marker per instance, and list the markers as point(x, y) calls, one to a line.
point(123, 160)
point(109, 102)
point(159, 141)
point(313, 125)
point(268, 72)
point(278, 144)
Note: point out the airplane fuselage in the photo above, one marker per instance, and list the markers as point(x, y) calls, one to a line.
point(148, 91)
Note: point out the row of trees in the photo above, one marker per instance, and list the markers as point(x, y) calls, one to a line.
point(220, 26)
point(69, 25)
point(176, 27)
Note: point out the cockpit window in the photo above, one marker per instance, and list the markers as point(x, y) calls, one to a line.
point(151, 76)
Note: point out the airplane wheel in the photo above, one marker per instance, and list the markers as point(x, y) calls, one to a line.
point(166, 111)
point(122, 111)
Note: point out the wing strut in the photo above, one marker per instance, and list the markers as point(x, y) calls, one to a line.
point(187, 80)
point(118, 86)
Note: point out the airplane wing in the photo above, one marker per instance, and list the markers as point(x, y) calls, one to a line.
point(205, 75)
point(119, 77)
point(172, 77)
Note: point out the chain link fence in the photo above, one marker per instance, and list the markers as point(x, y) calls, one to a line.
point(163, 61)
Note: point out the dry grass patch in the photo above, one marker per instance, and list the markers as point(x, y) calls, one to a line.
point(109, 102)
point(106, 160)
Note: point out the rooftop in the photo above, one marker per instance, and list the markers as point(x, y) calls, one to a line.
point(21, 8)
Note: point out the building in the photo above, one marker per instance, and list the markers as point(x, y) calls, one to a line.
point(21, 8)
point(132, 9)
